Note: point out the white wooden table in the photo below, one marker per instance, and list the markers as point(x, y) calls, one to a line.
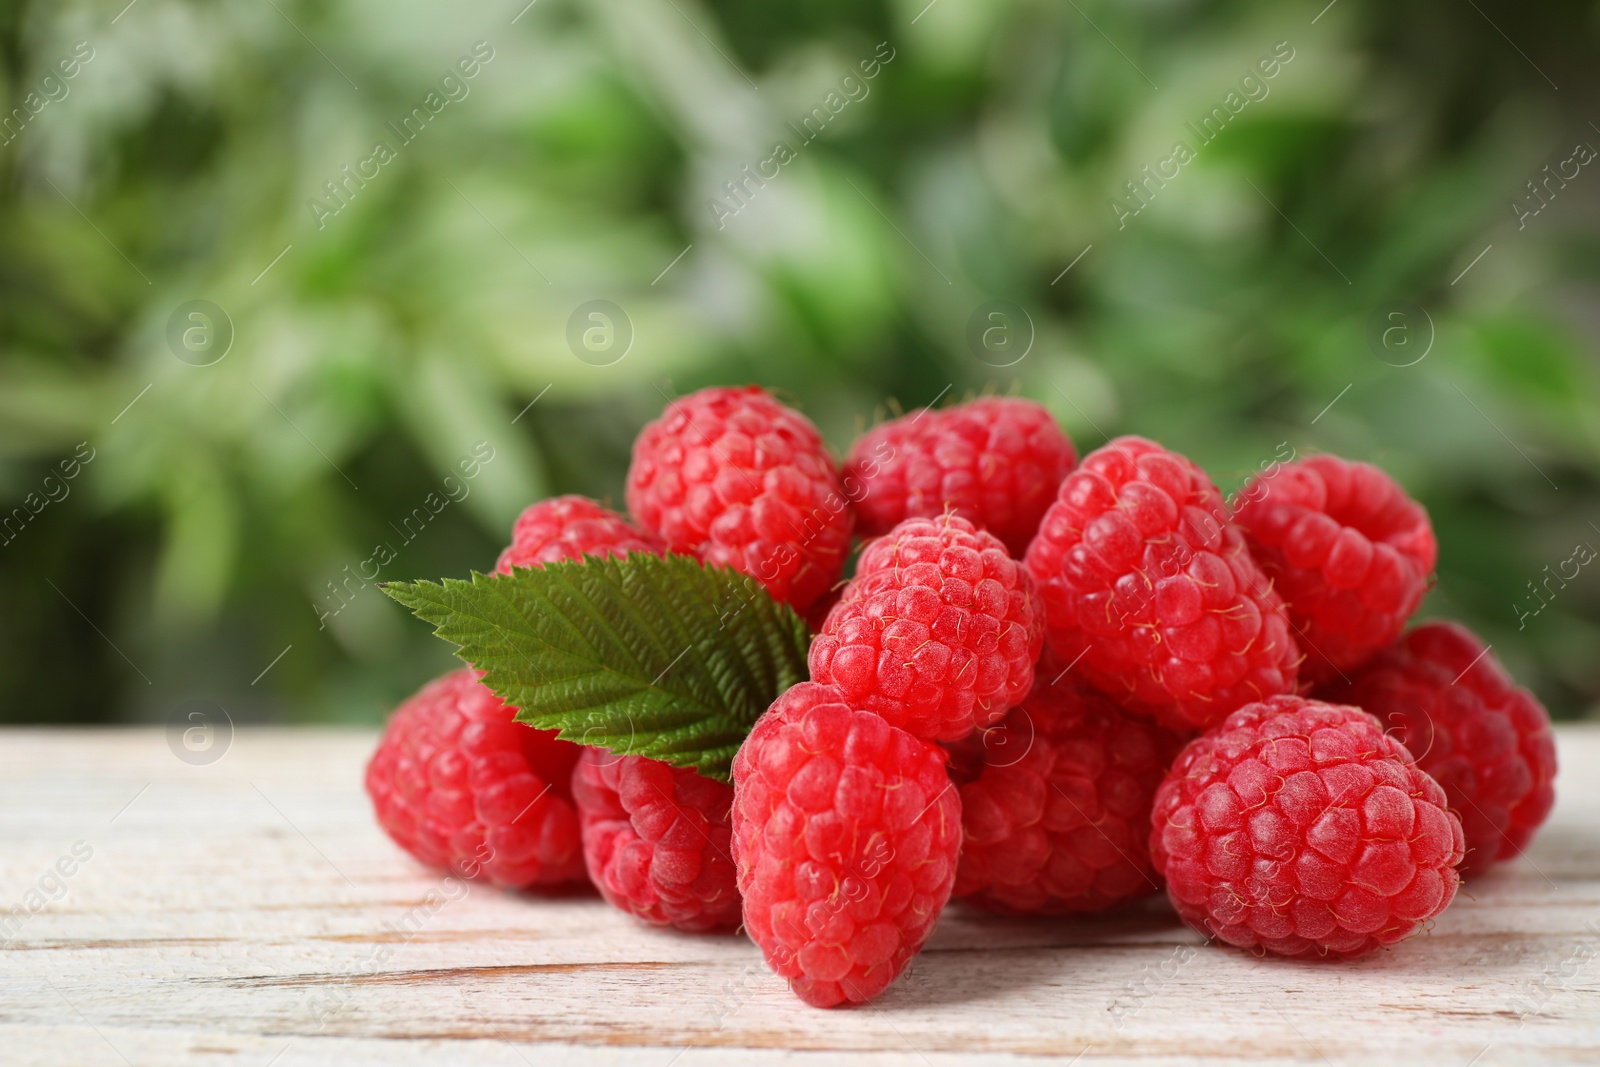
point(250, 912)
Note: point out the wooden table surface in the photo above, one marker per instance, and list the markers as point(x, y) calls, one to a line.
point(249, 911)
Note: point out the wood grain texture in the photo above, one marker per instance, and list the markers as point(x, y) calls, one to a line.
point(250, 912)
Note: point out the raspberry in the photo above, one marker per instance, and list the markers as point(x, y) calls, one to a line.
point(845, 833)
point(656, 840)
point(570, 527)
point(1300, 828)
point(1487, 742)
point(1055, 804)
point(1153, 595)
point(731, 476)
point(937, 633)
point(997, 461)
point(459, 784)
point(1347, 549)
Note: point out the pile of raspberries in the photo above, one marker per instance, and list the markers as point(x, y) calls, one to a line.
point(1049, 687)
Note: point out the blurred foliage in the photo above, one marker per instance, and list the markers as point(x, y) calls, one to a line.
point(374, 348)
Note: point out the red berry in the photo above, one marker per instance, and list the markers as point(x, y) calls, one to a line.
point(1300, 828)
point(1487, 742)
point(459, 784)
point(656, 840)
point(938, 632)
point(733, 477)
point(1055, 804)
point(997, 461)
point(1347, 549)
point(1152, 595)
point(571, 527)
point(845, 833)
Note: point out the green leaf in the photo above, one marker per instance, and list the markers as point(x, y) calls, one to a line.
point(642, 655)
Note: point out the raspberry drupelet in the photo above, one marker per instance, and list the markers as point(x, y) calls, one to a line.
point(845, 834)
point(656, 840)
point(461, 785)
point(1055, 804)
point(569, 528)
point(1487, 742)
point(1347, 549)
point(1152, 595)
point(938, 631)
point(996, 460)
point(733, 477)
point(1300, 828)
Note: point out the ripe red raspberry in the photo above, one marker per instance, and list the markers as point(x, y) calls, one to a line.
point(1152, 595)
point(731, 476)
point(571, 527)
point(997, 460)
point(459, 784)
point(1055, 804)
point(938, 632)
point(1347, 549)
point(1487, 742)
point(845, 833)
point(656, 840)
point(1300, 828)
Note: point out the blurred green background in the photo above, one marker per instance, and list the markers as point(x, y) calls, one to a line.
point(1382, 170)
